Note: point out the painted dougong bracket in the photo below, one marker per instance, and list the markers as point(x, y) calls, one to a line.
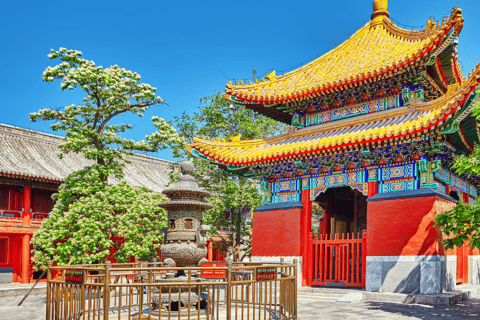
point(266, 189)
point(297, 120)
point(427, 170)
point(412, 95)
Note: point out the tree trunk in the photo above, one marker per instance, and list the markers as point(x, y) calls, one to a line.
point(101, 161)
point(238, 236)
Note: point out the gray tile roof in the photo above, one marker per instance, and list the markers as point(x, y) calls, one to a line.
point(33, 154)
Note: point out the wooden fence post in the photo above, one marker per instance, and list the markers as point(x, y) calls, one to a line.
point(84, 290)
point(106, 291)
point(49, 289)
point(295, 261)
point(229, 289)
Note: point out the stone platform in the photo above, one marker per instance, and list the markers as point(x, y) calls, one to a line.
point(462, 293)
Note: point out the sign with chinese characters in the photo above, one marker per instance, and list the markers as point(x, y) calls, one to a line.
point(214, 273)
point(266, 273)
point(74, 276)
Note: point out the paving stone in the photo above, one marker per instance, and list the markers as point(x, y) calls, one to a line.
point(34, 309)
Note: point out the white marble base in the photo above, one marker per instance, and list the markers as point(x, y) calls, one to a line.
point(474, 269)
point(406, 274)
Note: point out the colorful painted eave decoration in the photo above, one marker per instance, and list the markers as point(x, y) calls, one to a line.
point(373, 51)
point(351, 111)
point(417, 120)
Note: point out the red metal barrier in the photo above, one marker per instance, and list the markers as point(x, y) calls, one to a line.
point(338, 259)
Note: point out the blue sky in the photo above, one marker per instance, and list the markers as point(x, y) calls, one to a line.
point(186, 48)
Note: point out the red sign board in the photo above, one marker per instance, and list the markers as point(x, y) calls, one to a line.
point(214, 273)
point(266, 273)
point(74, 276)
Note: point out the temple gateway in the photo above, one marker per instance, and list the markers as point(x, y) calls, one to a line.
point(375, 124)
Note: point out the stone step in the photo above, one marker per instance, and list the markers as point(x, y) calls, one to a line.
point(327, 291)
point(318, 299)
point(322, 294)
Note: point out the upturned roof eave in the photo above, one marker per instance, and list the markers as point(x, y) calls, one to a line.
point(446, 106)
point(431, 37)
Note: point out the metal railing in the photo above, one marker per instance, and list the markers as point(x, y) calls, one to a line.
point(146, 291)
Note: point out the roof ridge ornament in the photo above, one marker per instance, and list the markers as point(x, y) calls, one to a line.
point(235, 138)
point(379, 12)
point(271, 76)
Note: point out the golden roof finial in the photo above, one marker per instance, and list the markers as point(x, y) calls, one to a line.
point(379, 11)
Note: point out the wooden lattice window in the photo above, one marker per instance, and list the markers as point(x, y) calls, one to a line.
point(3, 250)
point(3, 198)
point(43, 201)
point(49, 204)
point(41, 204)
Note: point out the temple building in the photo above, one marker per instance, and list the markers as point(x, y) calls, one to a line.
point(30, 172)
point(375, 125)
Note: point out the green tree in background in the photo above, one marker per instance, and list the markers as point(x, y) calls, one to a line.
point(89, 214)
point(462, 224)
point(233, 196)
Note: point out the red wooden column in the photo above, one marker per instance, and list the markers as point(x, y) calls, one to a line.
point(372, 188)
point(326, 220)
point(306, 218)
point(465, 197)
point(26, 214)
point(447, 189)
point(25, 258)
point(306, 225)
point(462, 263)
point(26, 222)
point(210, 251)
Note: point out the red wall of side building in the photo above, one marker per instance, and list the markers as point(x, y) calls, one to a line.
point(277, 233)
point(401, 227)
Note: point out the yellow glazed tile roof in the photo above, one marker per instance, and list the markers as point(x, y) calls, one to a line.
point(379, 48)
point(393, 124)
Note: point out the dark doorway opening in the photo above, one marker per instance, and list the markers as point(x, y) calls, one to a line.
point(345, 211)
point(454, 195)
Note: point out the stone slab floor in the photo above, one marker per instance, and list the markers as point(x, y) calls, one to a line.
point(34, 308)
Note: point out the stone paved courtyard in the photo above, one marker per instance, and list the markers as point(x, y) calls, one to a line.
point(34, 309)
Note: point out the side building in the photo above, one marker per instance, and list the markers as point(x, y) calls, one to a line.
point(30, 172)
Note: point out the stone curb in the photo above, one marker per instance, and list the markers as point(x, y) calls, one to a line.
point(14, 292)
point(447, 299)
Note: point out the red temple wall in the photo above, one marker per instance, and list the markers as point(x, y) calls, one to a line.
point(13, 255)
point(277, 233)
point(406, 225)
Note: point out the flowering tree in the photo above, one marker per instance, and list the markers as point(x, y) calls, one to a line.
point(462, 224)
point(90, 217)
point(89, 213)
